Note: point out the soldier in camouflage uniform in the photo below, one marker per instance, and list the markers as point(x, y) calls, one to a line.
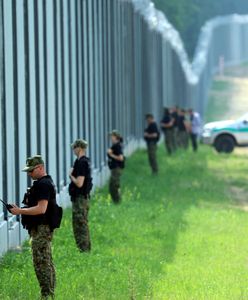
point(80, 176)
point(183, 135)
point(39, 230)
point(116, 164)
point(151, 136)
point(167, 126)
point(43, 263)
point(174, 116)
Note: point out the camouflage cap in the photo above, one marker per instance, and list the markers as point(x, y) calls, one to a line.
point(33, 162)
point(115, 133)
point(79, 143)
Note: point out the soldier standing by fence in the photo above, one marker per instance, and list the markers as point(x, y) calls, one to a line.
point(183, 136)
point(167, 126)
point(151, 136)
point(37, 216)
point(174, 115)
point(79, 190)
point(116, 164)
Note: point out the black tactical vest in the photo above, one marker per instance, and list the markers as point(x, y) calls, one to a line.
point(53, 213)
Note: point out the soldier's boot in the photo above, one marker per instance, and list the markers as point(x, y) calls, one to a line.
point(49, 297)
point(115, 193)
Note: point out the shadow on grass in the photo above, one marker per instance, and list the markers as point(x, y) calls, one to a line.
point(184, 181)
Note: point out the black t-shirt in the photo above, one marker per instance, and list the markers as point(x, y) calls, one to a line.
point(117, 150)
point(42, 189)
point(166, 120)
point(152, 128)
point(45, 189)
point(180, 123)
point(174, 116)
point(82, 168)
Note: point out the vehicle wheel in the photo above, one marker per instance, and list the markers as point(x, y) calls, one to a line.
point(224, 144)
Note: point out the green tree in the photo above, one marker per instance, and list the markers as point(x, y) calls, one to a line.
point(189, 16)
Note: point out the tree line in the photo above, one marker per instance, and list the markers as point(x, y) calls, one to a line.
point(189, 16)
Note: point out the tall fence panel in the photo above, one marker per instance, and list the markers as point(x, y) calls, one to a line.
point(79, 68)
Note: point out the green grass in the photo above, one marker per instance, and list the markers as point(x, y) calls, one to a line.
point(175, 236)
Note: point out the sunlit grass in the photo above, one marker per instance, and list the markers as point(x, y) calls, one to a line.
point(175, 236)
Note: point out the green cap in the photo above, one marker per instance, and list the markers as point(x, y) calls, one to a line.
point(79, 144)
point(115, 133)
point(33, 162)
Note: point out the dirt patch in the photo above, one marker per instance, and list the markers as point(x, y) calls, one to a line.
point(240, 198)
point(236, 97)
point(241, 151)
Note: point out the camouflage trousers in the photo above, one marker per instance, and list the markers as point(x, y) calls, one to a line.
point(42, 260)
point(152, 156)
point(80, 210)
point(170, 142)
point(183, 139)
point(114, 185)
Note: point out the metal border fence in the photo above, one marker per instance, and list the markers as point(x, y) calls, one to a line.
point(78, 68)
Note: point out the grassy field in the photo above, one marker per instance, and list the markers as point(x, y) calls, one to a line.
point(180, 235)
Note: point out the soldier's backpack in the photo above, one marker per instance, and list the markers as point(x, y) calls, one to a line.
point(55, 216)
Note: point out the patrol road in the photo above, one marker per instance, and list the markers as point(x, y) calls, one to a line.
point(179, 235)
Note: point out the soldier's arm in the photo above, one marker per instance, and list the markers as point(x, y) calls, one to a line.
point(153, 135)
point(167, 125)
point(117, 157)
point(187, 126)
point(39, 209)
point(79, 181)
